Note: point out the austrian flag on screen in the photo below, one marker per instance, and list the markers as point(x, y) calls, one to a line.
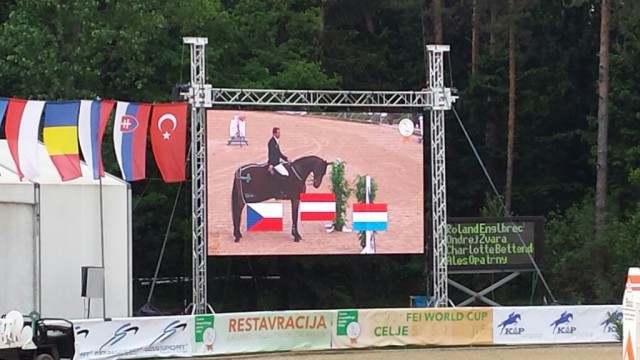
point(317, 207)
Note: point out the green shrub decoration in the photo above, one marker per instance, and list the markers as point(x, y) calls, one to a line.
point(360, 192)
point(340, 187)
point(617, 324)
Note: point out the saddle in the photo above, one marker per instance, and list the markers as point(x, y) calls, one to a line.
point(249, 188)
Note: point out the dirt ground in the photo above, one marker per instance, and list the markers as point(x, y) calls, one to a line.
point(556, 352)
point(377, 150)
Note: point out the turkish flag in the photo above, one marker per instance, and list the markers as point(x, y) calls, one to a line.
point(169, 139)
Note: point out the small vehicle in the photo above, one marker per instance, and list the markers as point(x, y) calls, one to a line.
point(33, 338)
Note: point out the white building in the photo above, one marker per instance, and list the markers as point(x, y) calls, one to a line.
point(50, 229)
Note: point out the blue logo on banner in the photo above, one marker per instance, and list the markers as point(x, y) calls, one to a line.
point(510, 325)
point(608, 325)
point(169, 331)
point(560, 325)
point(120, 334)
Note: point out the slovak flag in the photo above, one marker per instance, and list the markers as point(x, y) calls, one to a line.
point(168, 134)
point(60, 134)
point(23, 121)
point(91, 124)
point(264, 217)
point(370, 217)
point(317, 207)
point(3, 108)
point(130, 139)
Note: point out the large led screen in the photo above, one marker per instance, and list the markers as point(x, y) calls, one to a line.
point(239, 182)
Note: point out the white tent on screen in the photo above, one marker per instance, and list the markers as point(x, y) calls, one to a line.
point(50, 230)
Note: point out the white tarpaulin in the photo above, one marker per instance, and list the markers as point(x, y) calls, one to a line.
point(134, 337)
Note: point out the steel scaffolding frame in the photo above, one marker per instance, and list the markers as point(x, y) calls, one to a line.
point(435, 98)
point(438, 172)
point(198, 94)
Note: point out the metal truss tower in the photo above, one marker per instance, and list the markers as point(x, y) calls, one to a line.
point(199, 94)
point(442, 102)
point(436, 98)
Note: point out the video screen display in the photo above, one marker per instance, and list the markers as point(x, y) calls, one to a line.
point(277, 193)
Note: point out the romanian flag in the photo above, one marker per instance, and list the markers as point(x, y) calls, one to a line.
point(60, 135)
point(264, 217)
point(317, 207)
point(370, 217)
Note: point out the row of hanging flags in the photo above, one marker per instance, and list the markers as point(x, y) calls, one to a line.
point(69, 123)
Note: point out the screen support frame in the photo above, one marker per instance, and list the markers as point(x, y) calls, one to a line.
point(436, 98)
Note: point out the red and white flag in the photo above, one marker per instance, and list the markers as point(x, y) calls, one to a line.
point(169, 140)
point(23, 121)
point(317, 207)
point(264, 216)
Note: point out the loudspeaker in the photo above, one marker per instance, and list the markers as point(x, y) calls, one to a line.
point(92, 282)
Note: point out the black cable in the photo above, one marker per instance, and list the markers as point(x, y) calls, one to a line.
point(484, 169)
point(164, 245)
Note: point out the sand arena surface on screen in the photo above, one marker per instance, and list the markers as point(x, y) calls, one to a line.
point(366, 148)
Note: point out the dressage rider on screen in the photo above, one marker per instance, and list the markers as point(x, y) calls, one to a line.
point(275, 159)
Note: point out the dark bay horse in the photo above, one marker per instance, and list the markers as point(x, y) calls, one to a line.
point(253, 183)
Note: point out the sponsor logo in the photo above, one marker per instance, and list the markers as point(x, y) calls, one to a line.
point(169, 331)
point(120, 334)
point(561, 324)
point(81, 332)
point(510, 325)
point(608, 325)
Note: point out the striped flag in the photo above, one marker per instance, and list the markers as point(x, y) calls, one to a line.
point(23, 121)
point(60, 134)
point(264, 217)
point(317, 207)
point(3, 107)
point(370, 217)
point(130, 139)
point(91, 125)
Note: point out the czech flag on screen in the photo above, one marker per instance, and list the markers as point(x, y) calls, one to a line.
point(370, 217)
point(130, 138)
point(60, 135)
point(317, 207)
point(264, 217)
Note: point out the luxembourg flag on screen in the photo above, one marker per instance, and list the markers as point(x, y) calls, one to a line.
point(317, 207)
point(264, 217)
point(370, 217)
point(130, 138)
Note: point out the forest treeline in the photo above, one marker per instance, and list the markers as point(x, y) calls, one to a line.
point(528, 73)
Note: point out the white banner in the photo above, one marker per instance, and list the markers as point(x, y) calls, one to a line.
point(134, 337)
point(554, 324)
point(262, 332)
